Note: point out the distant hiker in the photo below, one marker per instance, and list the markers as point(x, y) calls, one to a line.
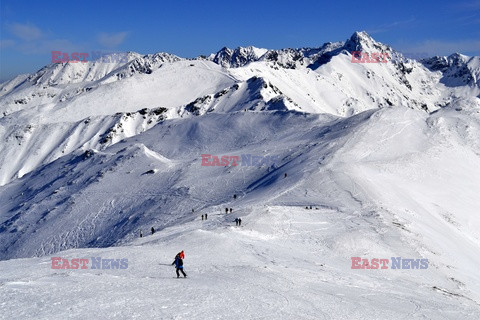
point(206, 216)
point(193, 210)
point(285, 175)
point(310, 207)
point(202, 217)
point(234, 196)
point(153, 230)
point(239, 222)
point(178, 262)
point(236, 221)
point(141, 234)
point(231, 210)
point(306, 207)
point(226, 210)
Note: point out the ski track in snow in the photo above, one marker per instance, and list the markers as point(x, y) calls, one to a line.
point(231, 274)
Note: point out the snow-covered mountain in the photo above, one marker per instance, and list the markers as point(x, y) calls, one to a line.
point(386, 154)
point(457, 69)
point(321, 80)
point(238, 57)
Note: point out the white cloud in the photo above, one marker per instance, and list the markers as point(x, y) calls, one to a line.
point(392, 25)
point(468, 6)
point(442, 48)
point(111, 40)
point(26, 32)
point(6, 43)
point(29, 39)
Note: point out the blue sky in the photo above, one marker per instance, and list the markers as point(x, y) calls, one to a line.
point(30, 30)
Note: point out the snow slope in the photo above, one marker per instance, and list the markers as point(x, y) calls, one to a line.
point(388, 183)
point(283, 264)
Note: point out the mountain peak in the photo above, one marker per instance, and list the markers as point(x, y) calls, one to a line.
point(238, 57)
point(362, 35)
point(359, 41)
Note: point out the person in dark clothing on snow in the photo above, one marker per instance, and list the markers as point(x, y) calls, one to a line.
point(153, 230)
point(236, 221)
point(178, 262)
point(206, 216)
point(231, 210)
point(226, 210)
point(202, 217)
point(239, 222)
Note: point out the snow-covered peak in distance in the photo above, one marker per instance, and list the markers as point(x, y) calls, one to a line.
point(142, 65)
point(457, 69)
point(238, 57)
point(108, 68)
point(292, 58)
point(362, 41)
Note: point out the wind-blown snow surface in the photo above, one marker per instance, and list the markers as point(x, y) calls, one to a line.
point(387, 155)
point(283, 264)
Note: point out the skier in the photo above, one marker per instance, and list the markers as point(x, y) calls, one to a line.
point(178, 262)
point(231, 210)
point(206, 216)
point(153, 230)
point(202, 217)
point(236, 221)
point(226, 210)
point(239, 222)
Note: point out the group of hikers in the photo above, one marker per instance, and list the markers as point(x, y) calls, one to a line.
point(152, 230)
point(238, 221)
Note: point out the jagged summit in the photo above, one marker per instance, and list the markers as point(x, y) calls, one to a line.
point(238, 57)
point(362, 41)
point(457, 69)
point(104, 68)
